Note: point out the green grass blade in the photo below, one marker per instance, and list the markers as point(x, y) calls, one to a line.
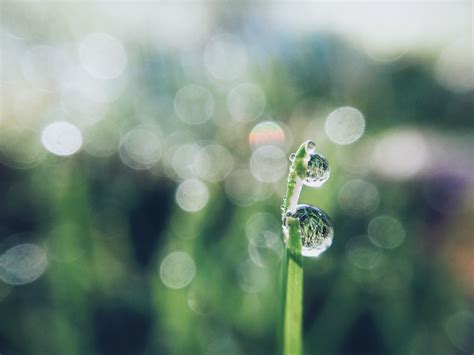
point(292, 292)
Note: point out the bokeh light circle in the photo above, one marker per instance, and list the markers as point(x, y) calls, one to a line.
point(141, 147)
point(268, 164)
point(214, 163)
point(266, 133)
point(252, 278)
point(246, 102)
point(177, 270)
point(192, 195)
point(194, 104)
point(225, 57)
point(358, 197)
point(244, 189)
point(345, 125)
point(102, 56)
point(386, 232)
point(363, 254)
point(62, 138)
point(22, 264)
point(400, 154)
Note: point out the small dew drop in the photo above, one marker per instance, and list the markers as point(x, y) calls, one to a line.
point(292, 157)
point(317, 170)
point(316, 230)
point(310, 147)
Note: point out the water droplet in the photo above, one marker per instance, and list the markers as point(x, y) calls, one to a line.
point(310, 147)
point(317, 170)
point(316, 230)
point(292, 157)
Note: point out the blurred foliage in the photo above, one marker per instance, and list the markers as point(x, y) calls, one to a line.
point(107, 228)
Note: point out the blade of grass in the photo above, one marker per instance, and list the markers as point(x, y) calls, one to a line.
point(293, 292)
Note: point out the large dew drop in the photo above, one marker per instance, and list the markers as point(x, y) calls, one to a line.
point(317, 170)
point(316, 230)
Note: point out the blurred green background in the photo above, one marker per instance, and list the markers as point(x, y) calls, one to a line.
point(144, 151)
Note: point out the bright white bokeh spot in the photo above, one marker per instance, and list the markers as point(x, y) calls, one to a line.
point(62, 138)
point(386, 232)
point(267, 133)
point(268, 164)
point(141, 147)
point(214, 163)
point(363, 254)
point(455, 66)
point(102, 56)
point(400, 154)
point(225, 57)
point(358, 197)
point(22, 264)
point(194, 104)
point(246, 102)
point(177, 270)
point(192, 195)
point(345, 125)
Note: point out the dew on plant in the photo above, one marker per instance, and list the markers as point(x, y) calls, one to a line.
point(192, 195)
point(386, 232)
point(246, 102)
point(317, 170)
point(292, 157)
point(316, 230)
point(345, 125)
point(194, 104)
point(22, 264)
point(266, 133)
point(177, 270)
point(62, 138)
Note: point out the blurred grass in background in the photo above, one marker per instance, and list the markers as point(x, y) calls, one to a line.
point(144, 150)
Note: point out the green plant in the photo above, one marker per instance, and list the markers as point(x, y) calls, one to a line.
point(307, 231)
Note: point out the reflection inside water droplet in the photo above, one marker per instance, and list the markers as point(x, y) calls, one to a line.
point(316, 230)
point(317, 170)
